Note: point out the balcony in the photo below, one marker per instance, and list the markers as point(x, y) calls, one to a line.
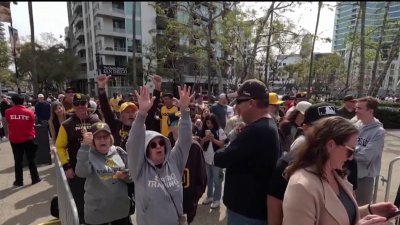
point(80, 47)
point(82, 60)
point(116, 51)
point(114, 32)
point(77, 6)
point(78, 33)
point(79, 19)
point(118, 13)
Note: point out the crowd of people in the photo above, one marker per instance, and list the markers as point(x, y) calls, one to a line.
point(156, 154)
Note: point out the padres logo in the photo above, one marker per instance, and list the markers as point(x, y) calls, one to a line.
point(101, 125)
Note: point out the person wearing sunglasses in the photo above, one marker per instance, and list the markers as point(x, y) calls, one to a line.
point(104, 166)
point(155, 167)
point(68, 99)
point(318, 191)
point(68, 143)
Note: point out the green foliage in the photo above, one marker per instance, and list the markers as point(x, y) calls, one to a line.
point(389, 117)
point(55, 64)
point(5, 56)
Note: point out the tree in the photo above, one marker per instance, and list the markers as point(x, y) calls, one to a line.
point(361, 74)
point(56, 65)
point(312, 50)
point(378, 49)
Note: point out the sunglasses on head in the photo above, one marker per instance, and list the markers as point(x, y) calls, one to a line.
point(154, 144)
point(350, 150)
point(79, 103)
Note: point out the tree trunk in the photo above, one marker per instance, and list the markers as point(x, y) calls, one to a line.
point(351, 53)
point(378, 49)
point(134, 76)
point(312, 50)
point(34, 73)
point(393, 54)
point(361, 75)
point(266, 69)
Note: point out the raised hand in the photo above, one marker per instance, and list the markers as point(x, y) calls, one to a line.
point(144, 100)
point(102, 80)
point(157, 81)
point(87, 138)
point(184, 97)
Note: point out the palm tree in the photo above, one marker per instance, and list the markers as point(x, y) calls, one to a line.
point(34, 74)
point(312, 50)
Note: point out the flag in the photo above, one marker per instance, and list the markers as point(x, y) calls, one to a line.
point(15, 44)
point(5, 12)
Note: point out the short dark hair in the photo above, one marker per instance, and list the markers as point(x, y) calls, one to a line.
point(17, 99)
point(371, 102)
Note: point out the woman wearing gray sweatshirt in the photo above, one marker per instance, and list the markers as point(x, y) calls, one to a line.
point(104, 167)
point(157, 169)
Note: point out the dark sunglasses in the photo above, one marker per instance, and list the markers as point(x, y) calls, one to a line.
point(238, 101)
point(350, 150)
point(154, 144)
point(80, 103)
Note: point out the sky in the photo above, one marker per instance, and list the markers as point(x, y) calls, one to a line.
point(53, 17)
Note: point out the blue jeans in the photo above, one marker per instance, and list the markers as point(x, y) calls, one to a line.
point(215, 176)
point(237, 219)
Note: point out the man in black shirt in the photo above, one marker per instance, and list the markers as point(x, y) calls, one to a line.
point(278, 183)
point(348, 110)
point(250, 159)
point(219, 109)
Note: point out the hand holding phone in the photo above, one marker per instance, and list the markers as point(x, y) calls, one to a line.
point(393, 215)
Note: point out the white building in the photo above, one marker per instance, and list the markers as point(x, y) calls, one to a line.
point(101, 34)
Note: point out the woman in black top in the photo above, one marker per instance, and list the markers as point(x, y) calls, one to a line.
point(56, 118)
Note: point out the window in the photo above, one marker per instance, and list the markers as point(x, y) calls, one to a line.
point(120, 61)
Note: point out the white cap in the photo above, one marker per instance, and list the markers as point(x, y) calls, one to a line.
point(303, 106)
point(60, 96)
point(222, 96)
point(40, 96)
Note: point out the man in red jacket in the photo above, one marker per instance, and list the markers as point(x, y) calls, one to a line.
point(22, 135)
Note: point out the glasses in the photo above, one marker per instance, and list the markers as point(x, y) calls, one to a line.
point(154, 144)
point(239, 101)
point(350, 150)
point(101, 137)
point(70, 92)
point(79, 103)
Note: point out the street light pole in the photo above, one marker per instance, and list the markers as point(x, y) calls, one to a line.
point(33, 48)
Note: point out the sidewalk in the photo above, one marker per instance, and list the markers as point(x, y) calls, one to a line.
point(30, 205)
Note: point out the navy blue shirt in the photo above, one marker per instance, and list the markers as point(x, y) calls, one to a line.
point(42, 110)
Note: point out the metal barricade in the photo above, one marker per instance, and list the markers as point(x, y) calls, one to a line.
point(389, 181)
point(66, 204)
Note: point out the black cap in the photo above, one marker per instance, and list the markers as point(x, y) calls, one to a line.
point(99, 126)
point(348, 98)
point(167, 95)
point(70, 89)
point(318, 111)
point(252, 89)
point(79, 97)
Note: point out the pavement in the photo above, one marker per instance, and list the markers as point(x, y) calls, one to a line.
point(30, 204)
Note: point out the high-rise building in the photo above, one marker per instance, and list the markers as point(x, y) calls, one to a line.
point(345, 21)
point(101, 35)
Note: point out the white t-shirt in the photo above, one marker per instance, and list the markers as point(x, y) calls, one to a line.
point(209, 153)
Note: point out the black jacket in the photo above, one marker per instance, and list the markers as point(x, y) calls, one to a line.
point(249, 161)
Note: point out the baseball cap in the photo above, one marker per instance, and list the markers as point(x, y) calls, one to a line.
point(99, 126)
point(40, 96)
point(70, 89)
point(222, 96)
point(125, 105)
point(274, 99)
point(348, 98)
point(252, 89)
point(301, 95)
point(78, 97)
point(303, 106)
point(318, 111)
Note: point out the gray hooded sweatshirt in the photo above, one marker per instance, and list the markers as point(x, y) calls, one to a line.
point(369, 148)
point(153, 202)
point(106, 197)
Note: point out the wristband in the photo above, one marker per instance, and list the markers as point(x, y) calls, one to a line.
point(369, 209)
